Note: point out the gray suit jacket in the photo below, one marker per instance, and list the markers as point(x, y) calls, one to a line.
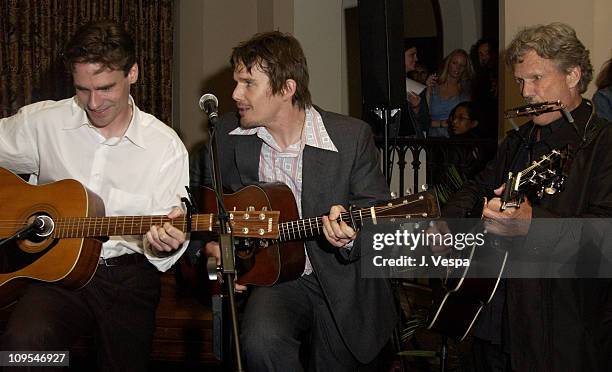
point(363, 309)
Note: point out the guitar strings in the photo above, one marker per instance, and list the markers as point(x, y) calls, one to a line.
point(101, 220)
point(70, 225)
point(293, 227)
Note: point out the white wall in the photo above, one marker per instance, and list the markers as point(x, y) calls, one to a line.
point(461, 23)
point(318, 27)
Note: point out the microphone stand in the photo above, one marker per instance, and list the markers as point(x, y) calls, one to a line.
point(226, 241)
point(38, 226)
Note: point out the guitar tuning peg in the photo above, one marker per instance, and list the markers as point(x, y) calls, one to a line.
point(393, 195)
point(424, 187)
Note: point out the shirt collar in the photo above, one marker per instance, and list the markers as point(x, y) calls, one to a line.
point(134, 132)
point(315, 134)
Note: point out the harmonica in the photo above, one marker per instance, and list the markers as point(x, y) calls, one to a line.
point(534, 109)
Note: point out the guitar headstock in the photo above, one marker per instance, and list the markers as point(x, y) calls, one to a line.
point(421, 205)
point(255, 224)
point(544, 175)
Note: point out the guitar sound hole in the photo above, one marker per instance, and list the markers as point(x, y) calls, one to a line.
point(36, 239)
point(245, 255)
point(34, 236)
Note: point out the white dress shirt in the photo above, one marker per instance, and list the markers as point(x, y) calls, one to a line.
point(142, 173)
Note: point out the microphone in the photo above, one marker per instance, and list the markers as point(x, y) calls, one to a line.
point(208, 103)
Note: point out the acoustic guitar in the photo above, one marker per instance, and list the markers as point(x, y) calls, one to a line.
point(264, 262)
point(53, 233)
point(461, 295)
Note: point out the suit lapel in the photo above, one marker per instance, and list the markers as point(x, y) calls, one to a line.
point(318, 172)
point(247, 158)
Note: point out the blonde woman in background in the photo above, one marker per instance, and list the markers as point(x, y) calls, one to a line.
point(448, 90)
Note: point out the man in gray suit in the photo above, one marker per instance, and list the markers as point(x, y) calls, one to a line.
point(329, 162)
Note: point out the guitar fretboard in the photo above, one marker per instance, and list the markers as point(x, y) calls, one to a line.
point(312, 227)
point(79, 227)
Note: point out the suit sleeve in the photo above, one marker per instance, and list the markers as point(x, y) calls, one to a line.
point(367, 184)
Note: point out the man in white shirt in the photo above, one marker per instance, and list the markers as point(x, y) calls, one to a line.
point(137, 165)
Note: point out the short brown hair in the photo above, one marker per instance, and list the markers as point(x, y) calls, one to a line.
point(103, 42)
point(557, 42)
point(280, 57)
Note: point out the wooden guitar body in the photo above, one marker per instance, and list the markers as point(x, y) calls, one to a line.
point(267, 261)
point(51, 233)
point(69, 262)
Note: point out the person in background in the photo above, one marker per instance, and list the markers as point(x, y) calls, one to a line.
point(602, 99)
point(484, 84)
point(452, 87)
point(483, 54)
point(460, 163)
point(420, 73)
point(463, 118)
point(417, 111)
point(464, 123)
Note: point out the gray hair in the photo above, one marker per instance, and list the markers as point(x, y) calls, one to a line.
point(557, 42)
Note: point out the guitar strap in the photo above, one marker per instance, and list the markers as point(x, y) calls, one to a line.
point(592, 127)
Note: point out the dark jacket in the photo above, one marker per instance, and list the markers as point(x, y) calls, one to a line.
point(553, 324)
point(363, 308)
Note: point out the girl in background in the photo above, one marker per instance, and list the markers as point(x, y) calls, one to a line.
point(451, 88)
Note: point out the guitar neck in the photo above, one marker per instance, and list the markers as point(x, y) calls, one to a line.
point(312, 227)
point(422, 205)
point(82, 227)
